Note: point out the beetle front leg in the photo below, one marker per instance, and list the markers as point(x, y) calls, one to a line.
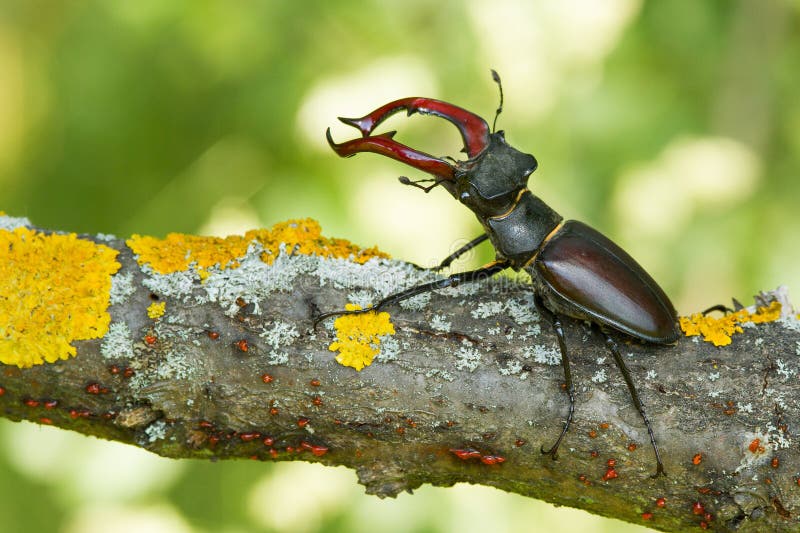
point(562, 344)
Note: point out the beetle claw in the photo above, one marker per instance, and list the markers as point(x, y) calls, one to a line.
point(474, 130)
point(384, 144)
point(364, 125)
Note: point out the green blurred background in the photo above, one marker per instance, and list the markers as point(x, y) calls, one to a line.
point(673, 126)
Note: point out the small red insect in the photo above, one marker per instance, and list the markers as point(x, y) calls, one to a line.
point(465, 454)
point(96, 388)
point(610, 474)
point(316, 449)
point(79, 413)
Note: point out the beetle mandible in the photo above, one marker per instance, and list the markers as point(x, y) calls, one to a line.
point(576, 271)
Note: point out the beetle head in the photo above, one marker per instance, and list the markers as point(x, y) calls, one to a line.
point(490, 183)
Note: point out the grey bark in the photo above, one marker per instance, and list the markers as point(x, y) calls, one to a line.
point(469, 369)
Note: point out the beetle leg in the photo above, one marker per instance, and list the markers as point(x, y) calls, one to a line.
point(454, 280)
point(558, 328)
point(626, 374)
point(724, 309)
point(461, 251)
point(474, 130)
point(384, 144)
point(416, 183)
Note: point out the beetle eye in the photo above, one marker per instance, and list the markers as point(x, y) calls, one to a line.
point(464, 196)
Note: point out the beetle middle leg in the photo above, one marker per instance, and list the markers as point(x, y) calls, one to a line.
point(626, 374)
point(454, 280)
point(562, 344)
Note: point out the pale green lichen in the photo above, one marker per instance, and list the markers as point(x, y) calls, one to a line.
point(118, 342)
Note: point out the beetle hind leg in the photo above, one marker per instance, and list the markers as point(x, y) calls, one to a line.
point(626, 374)
point(570, 389)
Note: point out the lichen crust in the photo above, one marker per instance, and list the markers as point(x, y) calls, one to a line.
point(358, 337)
point(54, 290)
point(719, 330)
point(178, 252)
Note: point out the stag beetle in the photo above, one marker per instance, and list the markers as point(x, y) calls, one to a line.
point(576, 271)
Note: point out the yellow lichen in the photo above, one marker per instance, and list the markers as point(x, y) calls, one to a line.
point(767, 314)
point(358, 337)
point(718, 331)
point(178, 252)
point(305, 237)
point(156, 310)
point(54, 289)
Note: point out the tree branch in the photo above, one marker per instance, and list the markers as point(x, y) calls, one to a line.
point(472, 376)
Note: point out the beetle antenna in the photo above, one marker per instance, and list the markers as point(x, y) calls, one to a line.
point(496, 78)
